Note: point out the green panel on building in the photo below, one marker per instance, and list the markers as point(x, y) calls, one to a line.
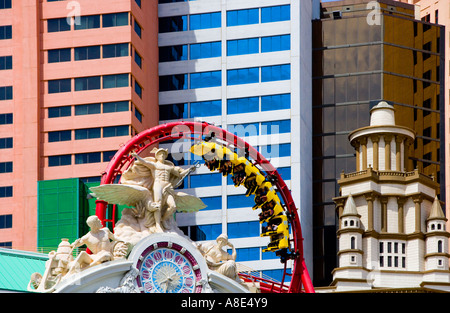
point(63, 207)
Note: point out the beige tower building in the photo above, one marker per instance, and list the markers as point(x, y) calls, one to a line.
point(392, 233)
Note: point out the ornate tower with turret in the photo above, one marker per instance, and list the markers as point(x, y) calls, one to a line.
point(391, 226)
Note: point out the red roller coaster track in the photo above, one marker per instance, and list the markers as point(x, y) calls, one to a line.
point(300, 280)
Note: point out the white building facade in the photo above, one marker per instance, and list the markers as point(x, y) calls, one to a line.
point(392, 233)
point(243, 65)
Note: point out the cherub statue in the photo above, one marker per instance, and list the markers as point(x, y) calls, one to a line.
point(218, 259)
point(100, 241)
point(149, 186)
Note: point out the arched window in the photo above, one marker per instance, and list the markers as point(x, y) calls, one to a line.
point(352, 243)
point(352, 222)
point(439, 246)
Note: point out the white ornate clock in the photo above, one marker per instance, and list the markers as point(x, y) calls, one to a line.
point(169, 263)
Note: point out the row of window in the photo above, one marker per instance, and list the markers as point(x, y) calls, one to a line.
point(91, 53)
point(89, 133)
point(234, 106)
point(80, 158)
point(87, 109)
point(138, 2)
point(89, 22)
point(234, 18)
point(234, 47)
point(215, 179)
point(91, 83)
point(234, 77)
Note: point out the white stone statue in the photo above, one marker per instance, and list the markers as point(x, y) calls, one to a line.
point(104, 245)
point(148, 186)
point(218, 259)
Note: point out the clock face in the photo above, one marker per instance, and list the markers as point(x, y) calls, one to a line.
point(168, 268)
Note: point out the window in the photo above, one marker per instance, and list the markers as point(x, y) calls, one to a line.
point(247, 254)
point(173, 82)
point(276, 102)
point(6, 118)
point(173, 24)
point(440, 249)
point(240, 201)
point(86, 109)
point(58, 25)
point(285, 172)
point(115, 19)
point(244, 130)
point(138, 114)
point(206, 108)
point(205, 180)
point(118, 106)
point(243, 76)
point(275, 72)
point(5, 32)
point(59, 160)
point(206, 79)
point(59, 85)
point(173, 111)
point(65, 135)
point(138, 2)
point(6, 62)
point(173, 53)
point(5, 4)
point(242, 17)
point(205, 232)
point(116, 131)
point(137, 29)
point(137, 59)
point(87, 83)
point(276, 14)
point(6, 167)
point(242, 46)
point(84, 158)
point(88, 22)
point(276, 150)
point(275, 127)
point(204, 20)
point(243, 105)
point(243, 229)
point(5, 221)
point(6, 143)
point(108, 155)
point(115, 81)
point(114, 51)
point(212, 203)
point(138, 89)
point(87, 53)
point(59, 111)
point(59, 55)
point(87, 133)
point(6, 192)
point(6, 93)
point(276, 43)
point(205, 50)
point(390, 251)
point(352, 243)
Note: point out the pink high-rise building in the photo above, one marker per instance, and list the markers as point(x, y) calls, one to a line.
point(77, 79)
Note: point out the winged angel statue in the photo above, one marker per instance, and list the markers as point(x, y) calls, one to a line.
point(149, 187)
